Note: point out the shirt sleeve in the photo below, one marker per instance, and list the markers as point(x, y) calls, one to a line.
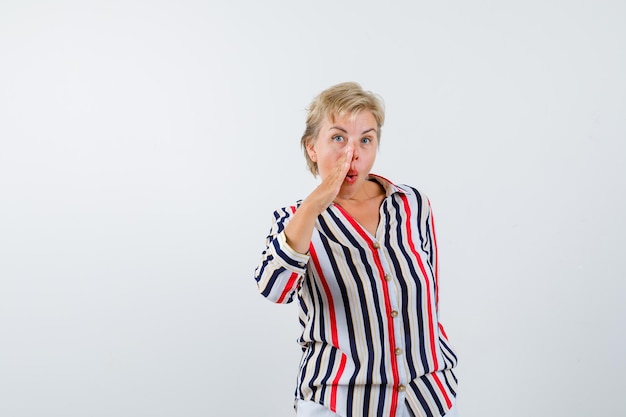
point(281, 268)
point(431, 246)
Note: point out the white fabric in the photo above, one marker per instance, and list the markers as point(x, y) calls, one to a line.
point(311, 409)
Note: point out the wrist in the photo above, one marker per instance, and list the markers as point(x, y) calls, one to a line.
point(312, 208)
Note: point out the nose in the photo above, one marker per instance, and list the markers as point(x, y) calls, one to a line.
point(355, 153)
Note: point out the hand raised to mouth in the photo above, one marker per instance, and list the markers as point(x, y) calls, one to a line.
point(299, 230)
point(330, 186)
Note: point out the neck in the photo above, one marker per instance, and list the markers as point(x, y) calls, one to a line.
point(369, 190)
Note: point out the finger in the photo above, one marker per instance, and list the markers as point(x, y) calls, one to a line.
point(349, 152)
point(343, 165)
point(346, 160)
point(332, 183)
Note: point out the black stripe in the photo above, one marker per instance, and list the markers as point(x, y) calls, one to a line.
point(406, 314)
point(317, 317)
point(448, 384)
point(381, 403)
point(397, 271)
point(324, 238)
point(418, 214)
point(408, 408)
point(434, 396)
point(447, 352)
point(270, 282)
point(422, 400)
point(303, 375)
point(329, 371)
point(279, 219)
point(261, 269)
point(282, 255)
point(430, 249)
point(377, 303)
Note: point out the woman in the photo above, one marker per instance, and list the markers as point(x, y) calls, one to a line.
point(360, 255)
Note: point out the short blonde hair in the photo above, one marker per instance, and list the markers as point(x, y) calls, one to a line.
point(339, 100)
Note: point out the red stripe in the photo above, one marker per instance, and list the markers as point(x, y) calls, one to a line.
point(442, 331)
point(390, 329)
point(288, 287)
point(333, 392)
point(333, 328)
point(430, 313)
point(431, 330)
point(331, 304)
point(442, 390)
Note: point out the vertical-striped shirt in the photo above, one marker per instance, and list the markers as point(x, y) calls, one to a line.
point(371, 337)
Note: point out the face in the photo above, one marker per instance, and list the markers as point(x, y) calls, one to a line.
point(359, 132)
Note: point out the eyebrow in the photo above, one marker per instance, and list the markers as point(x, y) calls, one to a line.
point(345, 131)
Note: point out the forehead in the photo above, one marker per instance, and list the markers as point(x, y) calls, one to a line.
point(361, 116)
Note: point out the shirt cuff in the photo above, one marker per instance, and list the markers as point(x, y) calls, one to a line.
point(287, 257)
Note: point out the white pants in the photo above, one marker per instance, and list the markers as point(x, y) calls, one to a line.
point(311, 409)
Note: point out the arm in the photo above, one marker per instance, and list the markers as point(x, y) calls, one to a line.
point(300, 229)
point(281, 267)
point(283, 262)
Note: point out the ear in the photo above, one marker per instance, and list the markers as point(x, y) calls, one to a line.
point(310, 149)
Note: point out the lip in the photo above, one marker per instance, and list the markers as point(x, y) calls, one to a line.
point(352, 176)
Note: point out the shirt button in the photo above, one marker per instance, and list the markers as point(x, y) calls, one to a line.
point(388, 277)
point(398, 351)
point(394, 313)
point(376, 245)
point(401, 388)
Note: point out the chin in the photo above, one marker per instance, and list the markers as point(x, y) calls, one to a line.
point(348, 191)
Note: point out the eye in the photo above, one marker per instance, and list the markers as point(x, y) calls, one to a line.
point(366, 140)
point(337, 138)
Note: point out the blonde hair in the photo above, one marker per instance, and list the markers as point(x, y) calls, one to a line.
point(339, 100)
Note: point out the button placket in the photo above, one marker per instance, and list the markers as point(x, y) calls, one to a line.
point(394, 313)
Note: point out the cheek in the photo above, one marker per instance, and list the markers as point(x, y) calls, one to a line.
point(327, 160)
point(369, 158)
point(328, 155)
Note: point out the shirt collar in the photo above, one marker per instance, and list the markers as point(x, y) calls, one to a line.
point(390, 188)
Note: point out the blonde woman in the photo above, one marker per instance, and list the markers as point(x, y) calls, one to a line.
point(359, 255)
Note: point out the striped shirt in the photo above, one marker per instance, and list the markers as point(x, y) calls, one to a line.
point(371, 338)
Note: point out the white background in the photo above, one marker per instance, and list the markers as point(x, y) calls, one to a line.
point(145, 144)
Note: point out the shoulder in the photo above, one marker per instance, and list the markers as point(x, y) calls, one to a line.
point(415, 200)
point(413, 192)
point(403, 189)
point(287, 211)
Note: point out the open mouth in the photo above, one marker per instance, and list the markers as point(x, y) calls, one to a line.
point(351, 177)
